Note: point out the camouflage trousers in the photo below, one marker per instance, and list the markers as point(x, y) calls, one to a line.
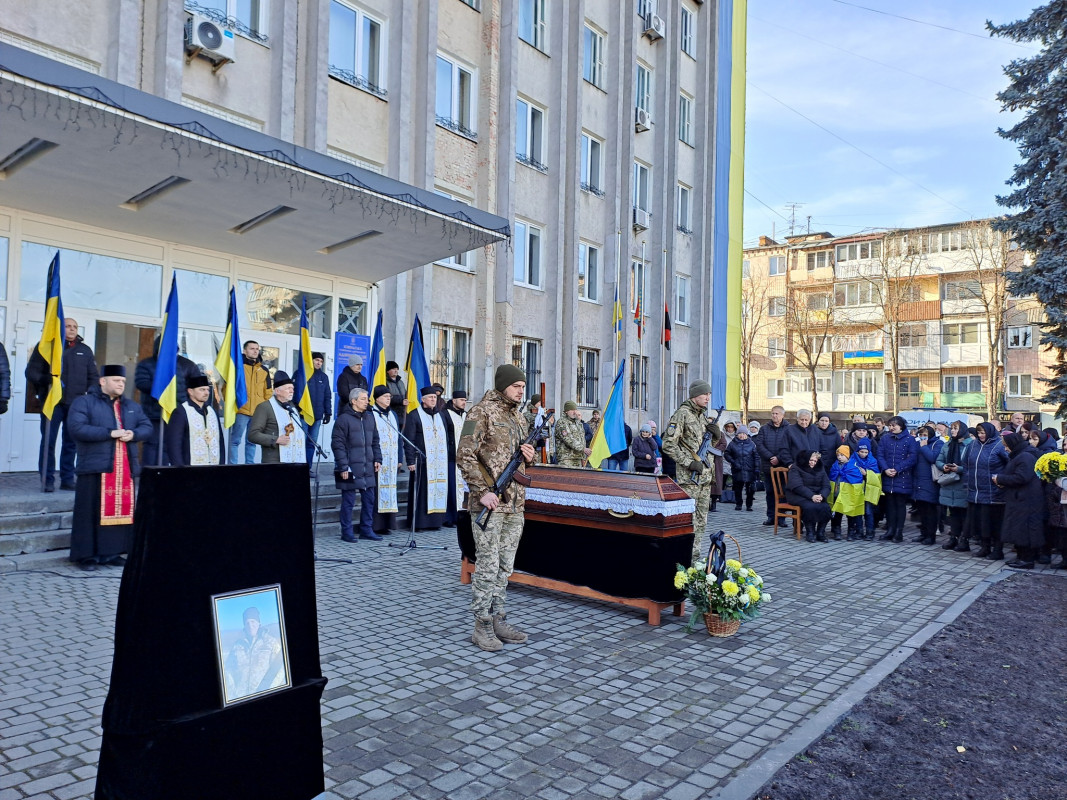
point(569, 461)
point(702, 497)
point(494, 551)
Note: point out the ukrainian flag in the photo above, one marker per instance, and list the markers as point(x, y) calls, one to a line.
point(165, 382)
point(416, 368)
point(230, 365)
point(377, 356)
point(616, 316)
point(611, 435)
point(301, 392)
point(51, 344)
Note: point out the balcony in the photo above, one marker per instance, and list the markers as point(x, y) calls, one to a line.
point(963, 400)
point(963, 355)
point(970, 306)
point(850, 270)
point(920, 311)
point(917, 358)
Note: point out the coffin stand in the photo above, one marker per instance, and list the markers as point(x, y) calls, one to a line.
point(610, 536)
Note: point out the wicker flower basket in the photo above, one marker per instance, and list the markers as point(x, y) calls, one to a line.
point(716, 625)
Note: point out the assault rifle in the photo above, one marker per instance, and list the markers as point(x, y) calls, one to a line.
point(705, 448)
point(509, 473)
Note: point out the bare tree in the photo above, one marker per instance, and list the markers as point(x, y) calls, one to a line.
point(756, 325)
point(809, 318)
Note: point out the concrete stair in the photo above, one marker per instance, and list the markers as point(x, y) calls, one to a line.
point(34, 522)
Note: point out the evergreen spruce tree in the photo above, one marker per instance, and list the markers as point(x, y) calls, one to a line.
point(1038, 88)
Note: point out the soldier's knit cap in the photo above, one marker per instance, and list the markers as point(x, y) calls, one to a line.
point(570, 405)
point(507, 374)
point(697, 388)
point(535, 399)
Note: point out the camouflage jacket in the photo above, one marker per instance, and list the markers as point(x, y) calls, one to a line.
point(682, 439)
point(570, 441)
point(531, 423)
point(492, 432)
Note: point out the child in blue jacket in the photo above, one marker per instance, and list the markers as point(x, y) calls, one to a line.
point(872, 481)
point(847, 479)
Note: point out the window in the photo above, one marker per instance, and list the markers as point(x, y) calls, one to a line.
point(588, 372)
point(526, 355)
point(961, 383)
point(960, 333)
point(913, 335)
point(687, 33)
point(817, 345)
point(450, 358)
point(455, 97)
point(249, 15)
point(1019, 385)
point(588, 272)
point(859, 382)
point(908, 386)
point(775, 387)
point(642, 185)
point(276, 309)
point(593, 57)
point(818, 302)
point(858, 341)
point(532, 22)
point(818, 260)
point(1021, 336)
point(685, 119)
point(803, 384)
point(685, 223)
point(351, 316)
point(856, 294)
point(529, 135)
point(464, 261)
point(639, 382)
point(681, 308)
point(777, 265)
point(637, 283)
point(643, 98)
point(592, 165)
point(681, 383)
point(859, 250)
point(746, 269)
point(961, 290)
point(776, 307)
point(645, 8)
point(204, 296)
point(775, 347)
point(356, 42)
point(527, 254)
point(908, 293)
point(475, 4)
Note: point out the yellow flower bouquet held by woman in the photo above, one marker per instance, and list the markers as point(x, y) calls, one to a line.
point(1051, 467)
point(725, 593)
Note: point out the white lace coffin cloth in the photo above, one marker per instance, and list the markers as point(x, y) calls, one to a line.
point(605, 502)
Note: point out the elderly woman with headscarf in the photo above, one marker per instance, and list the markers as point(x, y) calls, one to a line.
point(927, 492)
point(808, 486)
point(644, 450)
point(985, 457)
point(1024, 507)
point(953, 494)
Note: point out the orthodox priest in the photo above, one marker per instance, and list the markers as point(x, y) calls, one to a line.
point(453, 414)
point(385, 511)
point(105, 426)
point(194, 434)
point(429, 474)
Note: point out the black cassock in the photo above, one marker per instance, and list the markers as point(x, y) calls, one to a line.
point(414, 431)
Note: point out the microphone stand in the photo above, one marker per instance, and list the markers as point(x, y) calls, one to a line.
point(319, 454)
point(413, 496)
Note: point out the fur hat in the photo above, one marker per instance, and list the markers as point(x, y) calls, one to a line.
point(379, 391)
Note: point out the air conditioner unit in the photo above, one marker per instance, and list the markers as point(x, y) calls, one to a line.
point(642, 120)
point(207, 38)
point(642, 219)
point(654, 27)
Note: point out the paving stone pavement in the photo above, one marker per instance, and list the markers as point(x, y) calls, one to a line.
point(597, 704)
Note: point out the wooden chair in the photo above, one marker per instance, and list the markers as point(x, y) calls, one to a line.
point(779, 476)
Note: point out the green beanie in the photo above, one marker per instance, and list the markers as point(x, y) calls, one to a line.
point(507, 374)
point(570, 405)
point(698, 388)
point(534, 398)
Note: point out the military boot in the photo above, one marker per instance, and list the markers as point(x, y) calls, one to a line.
point(484, 636)
point(505, 632)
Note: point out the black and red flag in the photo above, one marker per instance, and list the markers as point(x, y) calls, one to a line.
point(666, 326)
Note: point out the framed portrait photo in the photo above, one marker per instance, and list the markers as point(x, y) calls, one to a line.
point(250, 645)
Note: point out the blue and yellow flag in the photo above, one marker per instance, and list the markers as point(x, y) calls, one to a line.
point(416, 368)
point(301, 391)
point(377, 356)
point(165, 382)
point(230, 365)
point(616, 315)
point(51, 344)
point(611, 435)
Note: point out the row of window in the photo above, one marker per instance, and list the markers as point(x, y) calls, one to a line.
point(866, 382)
point(909, 335)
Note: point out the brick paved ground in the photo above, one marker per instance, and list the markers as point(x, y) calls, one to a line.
point(598, 704)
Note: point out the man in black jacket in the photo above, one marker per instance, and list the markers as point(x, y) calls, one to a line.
point(774, 451)
point(802, 435)
point(5, 380)
point(143, 377)
point(321, 403)
point(78, 375)
point(358, 457)
point(351, 377)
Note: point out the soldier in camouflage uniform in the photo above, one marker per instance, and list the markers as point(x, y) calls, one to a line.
point(493, 431)
point(681, 441)
point(570, 437)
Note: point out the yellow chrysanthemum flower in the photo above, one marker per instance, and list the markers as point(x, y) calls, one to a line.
point(733, 563)
point(680, 580)
point(729, 588)
point(753, 594)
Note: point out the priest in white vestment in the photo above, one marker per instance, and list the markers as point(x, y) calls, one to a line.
point(429, 473)
point(194, 433)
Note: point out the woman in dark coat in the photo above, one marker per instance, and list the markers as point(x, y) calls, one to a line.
point(1024, 507)
point(927, 494)
point(953, 496)
point(897, 454)
point(809, 487)
point(985, 457)
point(744, 467)
point(829, 440)
point(644, 451)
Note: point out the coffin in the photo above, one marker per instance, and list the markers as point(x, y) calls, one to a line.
point(612, 536)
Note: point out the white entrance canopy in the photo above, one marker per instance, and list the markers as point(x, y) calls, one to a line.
point(80, 147)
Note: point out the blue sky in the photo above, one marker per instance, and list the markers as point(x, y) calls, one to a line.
point(927, 111)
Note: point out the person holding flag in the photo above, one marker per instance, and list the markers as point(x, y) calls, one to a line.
point(681, 441)
point(61, 368)
point(228, 367)
point(303, 396)
point(321, 402)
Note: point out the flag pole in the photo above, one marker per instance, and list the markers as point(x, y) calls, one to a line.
point(642, 372)
point(665, 353)
point(615, 333)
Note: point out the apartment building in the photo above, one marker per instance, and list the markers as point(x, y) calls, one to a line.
point(501, 168)
point(901, 319)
